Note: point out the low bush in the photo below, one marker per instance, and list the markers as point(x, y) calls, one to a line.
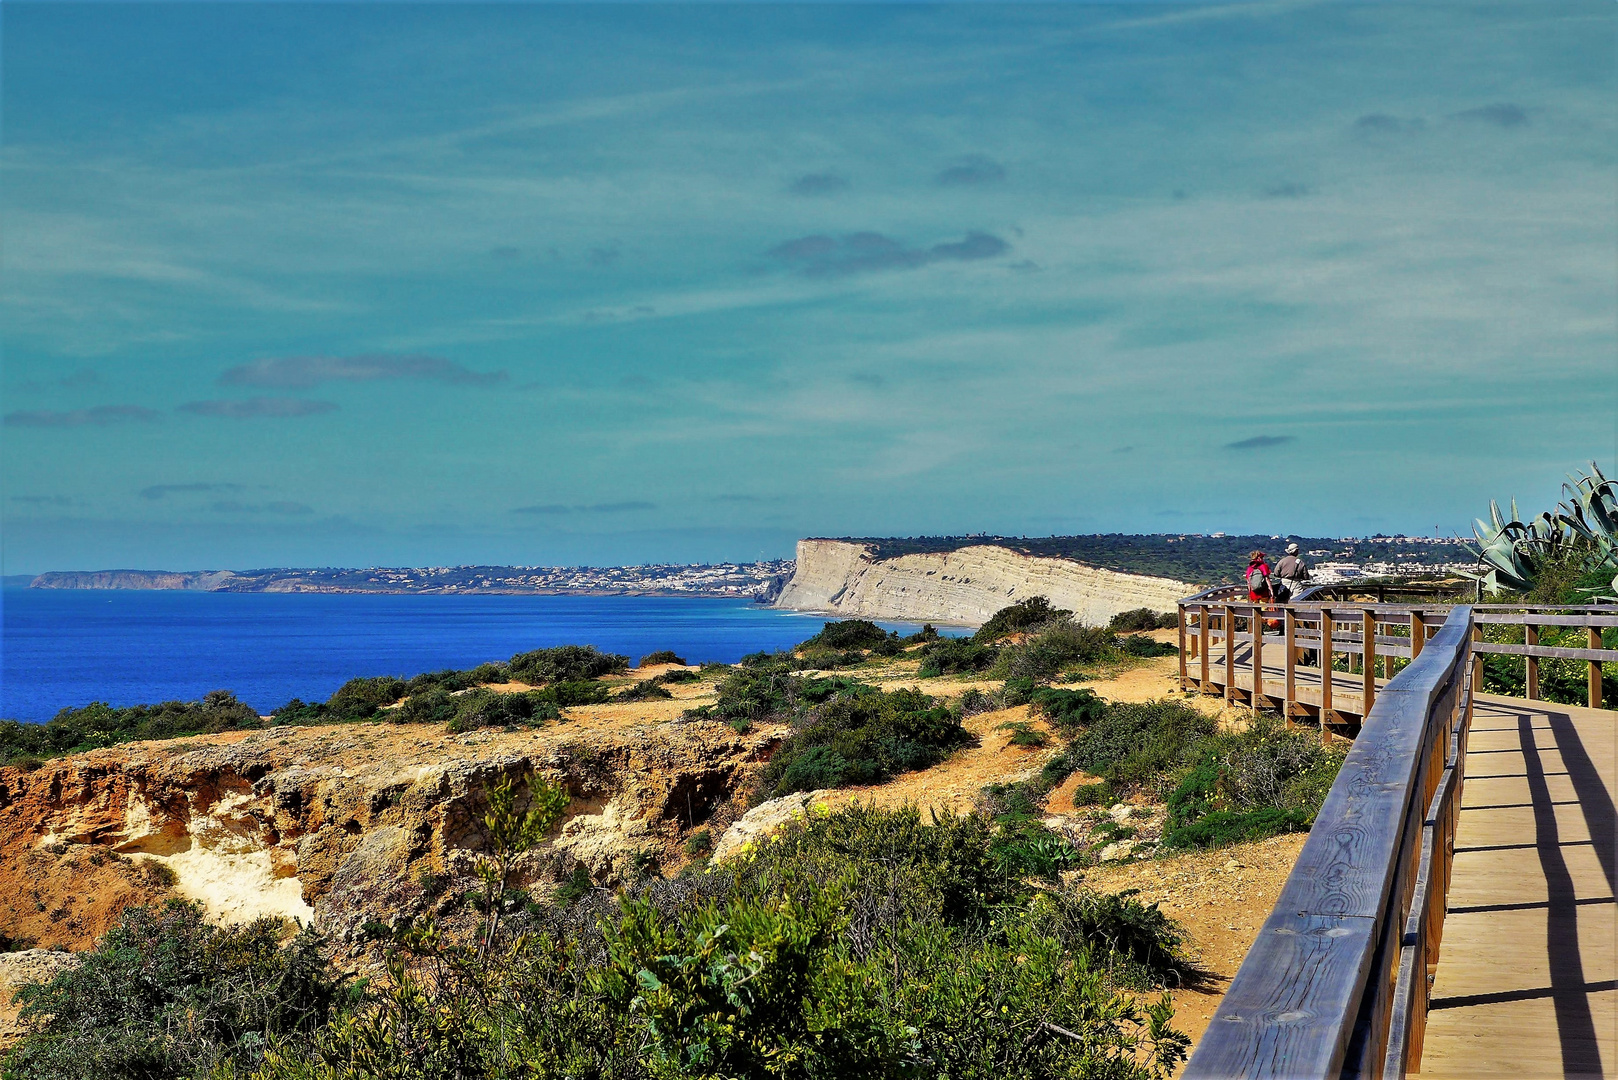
point(662, 656)
point(484, 708)
point(669, 678)
point(431, 706)
point(1053, 648)
point(949, 656)
point(1221, 828)
point(848, 634)
point(1068, 710)
point(645, 690)
point(566, 663)
point(1138, 745)
point(863, 736)
point(360, 699)
point(1018, 618)
point(1023, 734)
point(98, 724)
point(1142, 619)
point(165, 994)
point(1139, 645)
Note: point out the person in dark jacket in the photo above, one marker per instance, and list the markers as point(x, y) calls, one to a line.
point(1291, 575)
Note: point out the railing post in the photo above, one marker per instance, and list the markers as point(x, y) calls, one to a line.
point(1418, 633)
point(1185, 677)
point(1229, 625)
point(1367, 662)
point(1203, 618)
point(1255, 700)
point(1291, 631)
point(1593, 636)
point(1530, 638)
point(1325, 674)
point(1477, 664)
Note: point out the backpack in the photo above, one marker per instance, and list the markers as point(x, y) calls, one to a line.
point(1258, 578)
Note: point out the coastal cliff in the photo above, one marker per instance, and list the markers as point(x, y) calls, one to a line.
point(964, 586)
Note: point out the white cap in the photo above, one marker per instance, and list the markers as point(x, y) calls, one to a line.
point(1292, 549)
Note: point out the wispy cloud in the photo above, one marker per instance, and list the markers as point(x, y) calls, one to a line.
point(1289, 190)
point(74, 381)
point(1383, 123)
point(1500, 114)
point(163, 491)
point(99, 416)
point(596, 508)
point(42, 500)
point(973, 170)
point(831, 256)
point(1261, 442)
point(748, 500)
point(231, 506)
point(258, 408)
point(303, 372)
point(822, 183)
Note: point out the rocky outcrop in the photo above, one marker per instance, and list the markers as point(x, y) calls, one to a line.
point(337, 825)
point(963, 587)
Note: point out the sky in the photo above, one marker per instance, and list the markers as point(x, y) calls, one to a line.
point(420, 284)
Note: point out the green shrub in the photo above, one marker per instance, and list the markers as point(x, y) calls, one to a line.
point(948, 656)
point(432, 706)
point(1140, 645)
point(359, 699)
point(565, 695)
point(928, 632)
point(1022, 734)
point(863, 736)
point(1059, 644)
point(566, 663)
point(165, 994)
point(1133, 745)
point(662, 656)
point(1224, 827)
point(670, 678)
point(484, 708)
point(98, 724)
point(1068, 710)
point(1018, 618)
point(645, 690)
point(1141, 619)
point(848, 634)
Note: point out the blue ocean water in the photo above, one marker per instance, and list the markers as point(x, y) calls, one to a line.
point(66, 647)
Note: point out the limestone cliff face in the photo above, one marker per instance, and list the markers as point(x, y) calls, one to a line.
point(194, 580)
point(339, 824)
point(964, 587)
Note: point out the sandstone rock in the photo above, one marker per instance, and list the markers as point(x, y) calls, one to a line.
point(763, 820)
point(1118, 850)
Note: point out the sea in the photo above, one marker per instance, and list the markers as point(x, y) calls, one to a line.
point(64, 648)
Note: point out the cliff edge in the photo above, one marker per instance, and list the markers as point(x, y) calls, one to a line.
point(964, 586)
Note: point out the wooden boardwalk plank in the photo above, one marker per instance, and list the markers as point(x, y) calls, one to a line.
point(1527, 978)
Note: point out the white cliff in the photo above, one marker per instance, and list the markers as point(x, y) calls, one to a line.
point(963, 587)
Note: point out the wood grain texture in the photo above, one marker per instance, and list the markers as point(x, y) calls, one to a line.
point(1290, 1010)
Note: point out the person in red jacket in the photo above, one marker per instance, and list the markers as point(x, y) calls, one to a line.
point(1259, 589)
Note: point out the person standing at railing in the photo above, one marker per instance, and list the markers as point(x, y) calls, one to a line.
point(1291, 575)
point(1260, 590)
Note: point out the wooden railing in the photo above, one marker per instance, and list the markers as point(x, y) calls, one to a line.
point(1336, 983)
point(1368, 635)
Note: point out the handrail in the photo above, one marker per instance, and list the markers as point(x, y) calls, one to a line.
point(1319, 995)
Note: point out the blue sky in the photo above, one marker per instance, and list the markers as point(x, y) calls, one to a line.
point(420, 284)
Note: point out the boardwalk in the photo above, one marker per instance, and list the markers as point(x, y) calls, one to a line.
point(1452, 912)
point(1526, 974)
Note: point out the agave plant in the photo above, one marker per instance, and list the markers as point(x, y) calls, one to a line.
point(1591, 512)
point(1511, 553)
